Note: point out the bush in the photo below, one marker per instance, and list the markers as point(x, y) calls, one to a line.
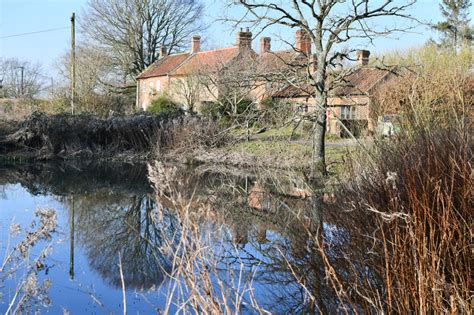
point(211, 110)
point(243, 106)
point(163, 104)
point(275, 112)
point(407, 208)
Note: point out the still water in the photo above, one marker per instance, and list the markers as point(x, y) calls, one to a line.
point(105, 227)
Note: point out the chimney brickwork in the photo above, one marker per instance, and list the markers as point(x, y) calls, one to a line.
point(244, 39)
point(196, 44)
point(265, 45)
point(163, 51)
point(303, 42)
point(363, 57)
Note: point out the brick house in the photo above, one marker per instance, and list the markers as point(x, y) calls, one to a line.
point(265, 75)
point(266, 72)
point(350, 104)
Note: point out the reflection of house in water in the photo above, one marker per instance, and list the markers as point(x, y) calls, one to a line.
point(249, 205)
point(290, 199)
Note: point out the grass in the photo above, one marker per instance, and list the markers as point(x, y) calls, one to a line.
point(294, 151)
point(283, 132)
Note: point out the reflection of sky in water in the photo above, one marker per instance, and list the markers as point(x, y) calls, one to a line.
point(18, 206)
point(105, 221)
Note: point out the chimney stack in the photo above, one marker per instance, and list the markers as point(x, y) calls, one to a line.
point(303, 42)
point(265, 45)
point(244, 39)
point(363, 57)
point(163, 51)
point(196, 44)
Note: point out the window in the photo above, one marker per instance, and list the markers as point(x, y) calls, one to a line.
point(348, 112)
point(158, 85)
point(302, 107)
point(269, 85)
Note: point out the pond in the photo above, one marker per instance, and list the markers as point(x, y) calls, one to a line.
point(117, 235)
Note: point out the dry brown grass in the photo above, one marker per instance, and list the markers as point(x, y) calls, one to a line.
point(407, 210)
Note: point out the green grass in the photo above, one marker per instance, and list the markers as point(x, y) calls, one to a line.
point(336, 157)
point(280, 133)
point(277, 147)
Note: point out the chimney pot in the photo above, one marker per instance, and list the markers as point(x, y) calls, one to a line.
point(244, 40)
point(363, 57)
point(303, 42)
point(196, 44)
point(163, 51)
point(265, 44)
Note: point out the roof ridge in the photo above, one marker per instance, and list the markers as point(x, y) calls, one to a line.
point(386, 73)
point(216, 49)
point(193, 55)
point(180, 64)
point(143, 75)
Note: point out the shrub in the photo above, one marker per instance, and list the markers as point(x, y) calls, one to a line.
point(163, 104)
point(406, 208)
point(211, 110)
point(227, 114)
point(275, 112)
point(438, 81)
point(244, 106)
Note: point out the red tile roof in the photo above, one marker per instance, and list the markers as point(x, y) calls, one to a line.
point(280, 60)
point(207, 60)
point(360, 82)
point(164, 66)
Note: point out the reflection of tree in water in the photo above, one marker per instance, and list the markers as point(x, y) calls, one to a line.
point(274, 228)
point(271, 226)
point(108, 224)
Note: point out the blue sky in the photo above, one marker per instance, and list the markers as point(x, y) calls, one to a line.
point(24, 16)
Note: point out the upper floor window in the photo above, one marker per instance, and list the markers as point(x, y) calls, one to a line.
point(348, 112)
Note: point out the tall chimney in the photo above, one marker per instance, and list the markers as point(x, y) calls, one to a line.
point(265, 44)
point(163, 51)
point(244, 39)
point(196, 44)
point(303, 42)
point(363, 57)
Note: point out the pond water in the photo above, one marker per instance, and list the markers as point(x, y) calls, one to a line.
point(106, 225)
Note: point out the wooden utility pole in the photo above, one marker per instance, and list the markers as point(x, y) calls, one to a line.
point(52, 88)
point(73, 60)
point(22, 80)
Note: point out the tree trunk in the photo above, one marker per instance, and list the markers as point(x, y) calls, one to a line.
point(318, 166)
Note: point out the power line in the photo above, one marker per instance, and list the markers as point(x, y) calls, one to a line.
point(37, 32)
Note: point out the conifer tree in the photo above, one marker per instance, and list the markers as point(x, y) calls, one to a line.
point(456, 28)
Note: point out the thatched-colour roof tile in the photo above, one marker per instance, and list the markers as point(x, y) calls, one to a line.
point(164, 66)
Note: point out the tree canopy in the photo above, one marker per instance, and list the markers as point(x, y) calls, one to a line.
point(455, 28)
point(133, 31)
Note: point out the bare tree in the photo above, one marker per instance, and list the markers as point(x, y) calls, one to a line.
point(232, 85)
point(134, 31)
point(21, 78)
point(99, 85)
point(330, 24)
point(187, 90)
